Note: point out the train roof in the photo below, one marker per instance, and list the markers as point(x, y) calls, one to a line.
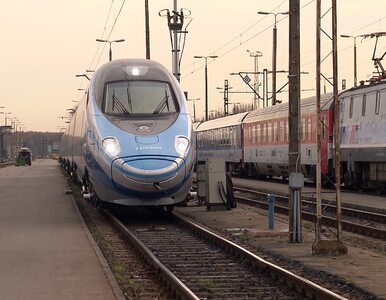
point(130, 69)
point(360, 89)
point(280, 110)
point(222, 122)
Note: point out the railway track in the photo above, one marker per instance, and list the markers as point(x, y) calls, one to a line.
point(202, 265)
point(144, 272)
point(371, 224)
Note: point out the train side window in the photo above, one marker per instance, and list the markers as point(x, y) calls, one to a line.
point(286, 130)
point(235, 136)
point(323, 128)
point(258, 133)
point(377, 102)
point(351, 107)
point(281, 131)
point(250, 133)
point(262, 133)
point(309, 128)
point(253, 134)
point(303, 128)
point(269, 132)
point(274, 129)
point(364, 105)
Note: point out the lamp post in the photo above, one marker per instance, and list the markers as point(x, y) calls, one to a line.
point(5, 117)
point(256, 84)
point(355, 54)
point(194, 107)
point(274, 51)
point(1, 107)
point(107, 41)
point(206, 81)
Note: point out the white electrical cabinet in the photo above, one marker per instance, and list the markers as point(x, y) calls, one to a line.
point(211, 183)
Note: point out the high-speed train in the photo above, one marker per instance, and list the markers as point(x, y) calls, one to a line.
point(129, 140)
point(256, 143)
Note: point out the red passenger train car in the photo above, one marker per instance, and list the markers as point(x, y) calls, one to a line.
point(266, 138)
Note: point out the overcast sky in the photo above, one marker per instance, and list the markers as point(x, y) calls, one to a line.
point(45, 43)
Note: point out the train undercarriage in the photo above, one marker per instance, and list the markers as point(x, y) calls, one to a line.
point(359, 176)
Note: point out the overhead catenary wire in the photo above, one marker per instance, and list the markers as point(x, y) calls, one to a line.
point(93, 66)
point(240, 36)
point(111, 31)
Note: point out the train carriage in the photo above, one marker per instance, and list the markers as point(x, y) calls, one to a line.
point(266, 138)
point(129, 140)
point(363, 138)
point(221, 138)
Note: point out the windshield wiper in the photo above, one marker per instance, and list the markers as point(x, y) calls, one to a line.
point(129, 100)
point(119, 106)
point(164, 103)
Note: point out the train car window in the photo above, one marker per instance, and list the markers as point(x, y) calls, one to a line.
point(234, 136)
point(351, 107)
point(269, 132)
point(323, 128)
point(364, 105)
point(303, 128)
point(281, 131)
point(258, 133)
point(309, 128)
point(263, 135)
point(253, 134)
point(138, 97)
point(286, 130)
point(274, 138)
point(377, 102)
point(249, 133)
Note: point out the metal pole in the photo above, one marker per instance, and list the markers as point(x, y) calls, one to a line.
point(256, 82)
point(226, 96)
point(110, 53)
point(176, 50)
point(294, 154)
point(147, 29)
point(206, 88)
point(337, 120)
point(274, 51)
point(355, 61)
point(265, 78)
point(318, 126)
point(194, 110)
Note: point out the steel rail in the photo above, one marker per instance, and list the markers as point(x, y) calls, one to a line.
point(346, 225)
point(305, 286)
point(173, 281)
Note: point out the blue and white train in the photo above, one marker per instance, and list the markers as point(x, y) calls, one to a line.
point(129, 140)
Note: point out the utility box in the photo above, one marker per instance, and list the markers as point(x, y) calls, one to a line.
point(215, 183)
point(296, 181)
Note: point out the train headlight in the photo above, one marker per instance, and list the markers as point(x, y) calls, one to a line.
point(111, 146)
point(181, 144)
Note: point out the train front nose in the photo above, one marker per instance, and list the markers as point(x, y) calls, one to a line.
point(148, 174)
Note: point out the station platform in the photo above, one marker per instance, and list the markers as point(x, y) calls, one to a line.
point(362, 267)
point(45, 250)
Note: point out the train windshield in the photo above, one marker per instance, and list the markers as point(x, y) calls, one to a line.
point(126, 98)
